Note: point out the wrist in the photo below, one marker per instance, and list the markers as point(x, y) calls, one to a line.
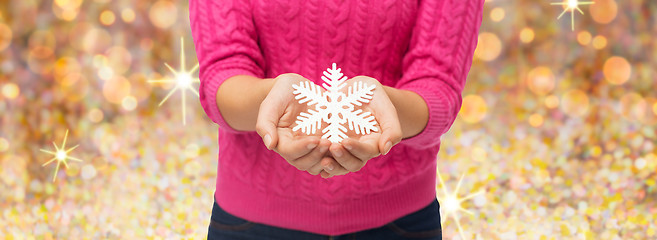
point(239, 98)
point(264, 86)
point(412, 110)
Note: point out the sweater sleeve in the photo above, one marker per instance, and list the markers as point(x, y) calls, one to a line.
point(438, 60)
point(226, 45)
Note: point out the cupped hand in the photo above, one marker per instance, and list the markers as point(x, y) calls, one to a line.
point(276, 118)
point(353, 153)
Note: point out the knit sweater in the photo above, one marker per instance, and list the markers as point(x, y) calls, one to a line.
point(424, 46)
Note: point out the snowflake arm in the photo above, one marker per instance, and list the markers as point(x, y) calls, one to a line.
point(309, 122)
point(309, 92)
point(334, 132)
point(361, 122)
point(359, 93)
point(333, 79)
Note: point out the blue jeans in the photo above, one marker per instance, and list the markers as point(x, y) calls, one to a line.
point(423, 224)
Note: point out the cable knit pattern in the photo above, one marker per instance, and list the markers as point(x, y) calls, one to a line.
point(425, 46)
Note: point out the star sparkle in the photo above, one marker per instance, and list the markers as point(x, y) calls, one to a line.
point(183, 80)
point(61, 155)
point(451, 203)
point(571, 5)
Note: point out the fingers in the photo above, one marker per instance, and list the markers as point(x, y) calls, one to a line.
point(292, 147)
point(364, 150)
point(273, 106)
point(351, 157)
point(389, 139)
point(385, 114)
point(391, 133)
point(332, 168)
point(346, 159)
point(310, 162)
point(268, 114)
point(315, 169)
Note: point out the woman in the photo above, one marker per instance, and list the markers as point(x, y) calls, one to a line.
point(275, 183)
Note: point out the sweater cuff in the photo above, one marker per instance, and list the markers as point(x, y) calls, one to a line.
point(208, 94)
point(440, 114)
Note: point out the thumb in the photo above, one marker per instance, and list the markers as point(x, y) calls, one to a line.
point(391, 133)
point(268, 115)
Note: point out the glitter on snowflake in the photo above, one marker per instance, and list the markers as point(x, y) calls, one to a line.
point(334, 107)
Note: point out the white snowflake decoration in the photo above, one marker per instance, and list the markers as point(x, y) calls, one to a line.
point(334, 107)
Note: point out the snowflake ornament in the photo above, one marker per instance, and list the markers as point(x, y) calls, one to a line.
point(334, 107)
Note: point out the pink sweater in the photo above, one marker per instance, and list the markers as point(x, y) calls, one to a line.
point(424, 46)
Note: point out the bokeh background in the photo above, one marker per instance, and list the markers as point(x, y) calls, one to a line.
point(556, 137)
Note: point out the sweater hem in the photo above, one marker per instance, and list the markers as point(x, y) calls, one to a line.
point(371, 211)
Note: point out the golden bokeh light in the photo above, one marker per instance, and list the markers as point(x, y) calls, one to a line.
point(75, 36)
point(105, 72)
point(10, 90)
point(70, 79)
point(584, 38)
point(473, 109)
point(540, 80)
point(163, 14)
point(551, 101)
point(74, 87)
point(575, 103)
point(129, 103)
point(116, 89)
point(141, 89)
point(5, 36)
point(68, 3)
point(535, 120)
point(72, 170)
point(489, 47)
point(42, 44)
point(119, 59)
point(128, 15)
point(527, 35)
point(479, 154)
point(107, 17)
point(40, 60)
point(63, 69)
point(146, 44)
point(4, 144)
point(66, 10)
point(604, 11)
point(99, 61)
point(651, 110)
point(96, 40)
point(599, 42)
point(95, 115)
point(617, 70)
point(633, 107)
point(497, 14)
point(88, 172)
point(192, 150)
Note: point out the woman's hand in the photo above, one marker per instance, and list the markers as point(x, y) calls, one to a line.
point(276, 117)
point(354, 152)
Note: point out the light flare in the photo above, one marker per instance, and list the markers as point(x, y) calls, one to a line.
point(183, 80)
point(451, 203)
point(60, 155)
point(571, 5)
